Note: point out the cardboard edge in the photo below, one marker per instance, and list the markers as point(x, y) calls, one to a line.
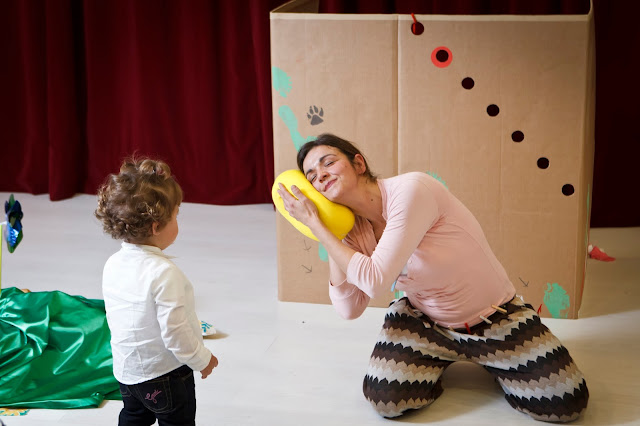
point(302, 15)
point(302, 9)
point(331, 17)
point(588, 155)
point(500, 18)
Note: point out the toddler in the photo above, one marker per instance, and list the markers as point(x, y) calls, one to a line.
point(156, 338)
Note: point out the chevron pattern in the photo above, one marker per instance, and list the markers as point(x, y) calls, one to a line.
point(535, 371)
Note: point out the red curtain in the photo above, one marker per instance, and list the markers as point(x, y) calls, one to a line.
point(90, 82)
point(86, 83)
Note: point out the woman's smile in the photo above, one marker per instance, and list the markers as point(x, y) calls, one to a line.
point(329, 185)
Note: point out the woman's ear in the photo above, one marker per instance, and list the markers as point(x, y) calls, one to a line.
point(154, 228)
point(359, 164)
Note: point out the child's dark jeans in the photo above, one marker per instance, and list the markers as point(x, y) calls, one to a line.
point(170, 398)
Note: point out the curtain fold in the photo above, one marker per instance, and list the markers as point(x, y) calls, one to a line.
point(65, 99)
point(23, 98)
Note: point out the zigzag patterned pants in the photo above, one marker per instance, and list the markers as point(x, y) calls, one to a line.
point(535, 371)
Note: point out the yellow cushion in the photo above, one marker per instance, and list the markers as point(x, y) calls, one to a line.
point(338, 218)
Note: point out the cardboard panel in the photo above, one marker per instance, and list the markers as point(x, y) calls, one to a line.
point(513, 187)
point(326, 70)
point(368, 79)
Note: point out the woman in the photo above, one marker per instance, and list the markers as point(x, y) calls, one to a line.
point(412, 233)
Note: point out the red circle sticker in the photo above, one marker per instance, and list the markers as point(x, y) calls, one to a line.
point(441, 57)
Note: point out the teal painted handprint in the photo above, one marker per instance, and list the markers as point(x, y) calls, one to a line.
point(281, 81)
point(290, 120)
point(282, 84)
point(438, 178)
point(556, 300)
point(322, 253)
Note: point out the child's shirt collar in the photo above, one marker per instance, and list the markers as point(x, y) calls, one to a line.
point(145, 248)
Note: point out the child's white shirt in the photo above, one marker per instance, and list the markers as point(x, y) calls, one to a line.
point(151, 314)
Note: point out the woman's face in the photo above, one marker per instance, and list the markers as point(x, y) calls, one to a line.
point(330, 172)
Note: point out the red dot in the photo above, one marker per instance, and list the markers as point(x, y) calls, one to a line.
point(441, 57)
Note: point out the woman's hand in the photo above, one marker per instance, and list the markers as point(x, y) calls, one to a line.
point(299, 206)
point(305, 211)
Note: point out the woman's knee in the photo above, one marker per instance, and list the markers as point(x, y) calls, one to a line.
point(393, 399)
point(559, 407)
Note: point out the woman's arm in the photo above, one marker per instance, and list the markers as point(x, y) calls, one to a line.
point(411, 212)
point(347, 299)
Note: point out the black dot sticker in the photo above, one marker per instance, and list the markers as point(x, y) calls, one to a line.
point(417, 28)
point(567, 189)
point(442, 56)
point(468, 83)
point(517, 136)
point(493, 110)
point(543, 163)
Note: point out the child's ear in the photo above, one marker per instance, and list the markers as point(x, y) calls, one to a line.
point(154, 228)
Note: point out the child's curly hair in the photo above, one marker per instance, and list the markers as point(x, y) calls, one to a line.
point(142, 193)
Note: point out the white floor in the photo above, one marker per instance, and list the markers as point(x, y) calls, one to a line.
point(299, 364)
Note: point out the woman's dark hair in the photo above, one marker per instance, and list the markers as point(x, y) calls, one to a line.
point(344, 146)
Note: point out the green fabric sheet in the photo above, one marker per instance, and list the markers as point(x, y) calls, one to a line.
point(54, 351)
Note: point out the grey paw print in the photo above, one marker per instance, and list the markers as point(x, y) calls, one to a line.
point(315, 115)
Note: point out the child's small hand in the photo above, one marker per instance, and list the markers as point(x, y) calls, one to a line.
point(213, 363)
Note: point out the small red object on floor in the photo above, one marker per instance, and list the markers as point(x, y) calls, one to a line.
point(597, 254)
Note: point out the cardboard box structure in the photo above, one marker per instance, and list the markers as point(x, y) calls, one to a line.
point(499, 108)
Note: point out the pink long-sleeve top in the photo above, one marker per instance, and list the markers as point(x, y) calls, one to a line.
point(433, 246)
